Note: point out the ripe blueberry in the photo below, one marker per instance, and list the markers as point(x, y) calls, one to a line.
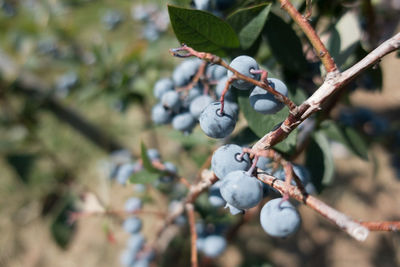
point(217, 125)
point(244, 64)
point(279, 218)
point(265, 102)
point(241, 190)
point(226, 159)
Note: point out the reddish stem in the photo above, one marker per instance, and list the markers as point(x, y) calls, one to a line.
point(193, 235)
point(315, 41)
point(188, 51)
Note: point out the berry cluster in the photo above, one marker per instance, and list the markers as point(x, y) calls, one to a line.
point(186, 98)
point(155, 20)
point(123, 167)
point(241, 190)
point(135, 254)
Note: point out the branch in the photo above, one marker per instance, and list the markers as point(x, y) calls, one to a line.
point(333, 83)
point(382, 226)
point(193, 235)
point(263, 83)
point(315, 41)
point(208, 178)
point(344, 222)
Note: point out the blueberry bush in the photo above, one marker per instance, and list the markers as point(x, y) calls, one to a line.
point(213, 115)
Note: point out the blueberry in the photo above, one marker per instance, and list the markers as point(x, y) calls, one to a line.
point(233, 210)
point(153, 154)
point(266, 189)
point(67, 80)
point(184, 122)
point(127, 258)
point(214, 245)
point(124, 172)
point(171, 168)
point(132, 225)
point(133, 204)
point(243, 64)
point(171, 100)
point(120, 156)
point(162, 86)
point(185, 71)
point(135, 243)
point(279, 218)
point(111, 19)
point(241, 190)
point(234, 107)
point(217, 125)
point(193, 93)
point(200, 244)
point(150, 32)
point(300, 171)
point(225, 160)
point(199, 104)
point(215, 72)
point(160, 115)
point(265, 102)
point(141, 263)
point(230, 95)
point(139, 188)
point(264, 164)
point(214, 195)
point(200, 228)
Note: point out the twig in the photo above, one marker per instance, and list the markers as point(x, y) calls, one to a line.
point(207, 179)
point(263, 83)
point(161, 167)
point(193, 235)
point(333, 83)
point(315, 41)
point(353, 228)
point(197, 77)
point(382, 226)
point(308, 9)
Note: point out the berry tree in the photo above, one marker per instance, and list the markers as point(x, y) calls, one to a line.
point(266, 83)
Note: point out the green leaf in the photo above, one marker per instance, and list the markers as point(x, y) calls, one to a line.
point(146, 161)
point(345, 37)
point(329, 165)
point(22, 164)
point(289, 144)
point(202, 30)
point(319, 160)
point(144, 177)
point(348, 137)
point(372, 78)
point(62, 229)
point(261, 124)
point(284, 43)
point(249, 22)
point(244, 137)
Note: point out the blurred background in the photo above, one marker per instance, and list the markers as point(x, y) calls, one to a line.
point(76, 84)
